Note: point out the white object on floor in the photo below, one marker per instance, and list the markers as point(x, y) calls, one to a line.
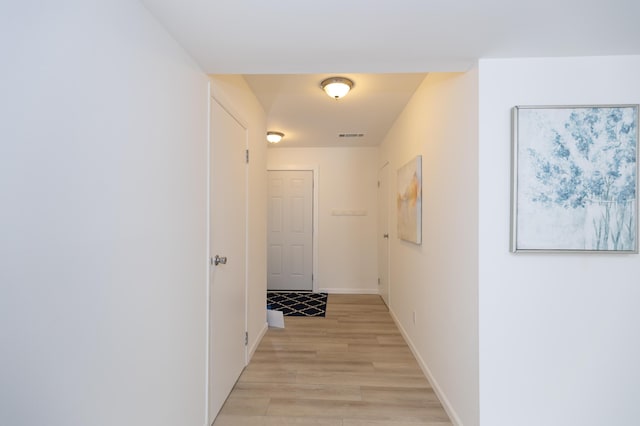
point(275, 318)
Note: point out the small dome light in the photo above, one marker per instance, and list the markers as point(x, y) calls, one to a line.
point(336, 87)
point(274, 137)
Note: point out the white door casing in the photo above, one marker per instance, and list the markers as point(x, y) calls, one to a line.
point(227, 239)
point(290, 230)
point(383, 233)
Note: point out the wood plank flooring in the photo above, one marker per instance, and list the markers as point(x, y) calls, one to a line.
point(351, 368)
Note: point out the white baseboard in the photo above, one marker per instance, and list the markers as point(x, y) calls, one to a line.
point(256, 343)
point(453, 416)
point(349, 290)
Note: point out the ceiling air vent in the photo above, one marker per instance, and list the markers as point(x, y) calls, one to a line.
point(350, 135)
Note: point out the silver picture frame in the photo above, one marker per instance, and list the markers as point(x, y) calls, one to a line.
point(574, 179)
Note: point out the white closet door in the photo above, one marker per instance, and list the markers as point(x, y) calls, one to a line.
point(227, 278)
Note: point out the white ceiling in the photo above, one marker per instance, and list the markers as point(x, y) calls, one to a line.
point(298, 107)
point(342, 37)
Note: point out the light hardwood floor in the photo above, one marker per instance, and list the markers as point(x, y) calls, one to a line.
point(352, 368)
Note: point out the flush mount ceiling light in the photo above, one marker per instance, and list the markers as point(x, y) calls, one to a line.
point(274, 137)
point(336, 87)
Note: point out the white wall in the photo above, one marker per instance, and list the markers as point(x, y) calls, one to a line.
point(103, 151)
point(347, 180)
point(438, 280)
point(559, 333)
point(235, 94)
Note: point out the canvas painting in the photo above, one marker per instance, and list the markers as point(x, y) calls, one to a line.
point(409, 199)
point(575, 179)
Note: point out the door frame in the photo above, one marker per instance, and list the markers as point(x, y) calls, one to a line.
point(314, 219)
point(215, 95)
point(384, 171)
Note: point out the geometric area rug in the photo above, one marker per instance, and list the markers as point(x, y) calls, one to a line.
point(297, 303)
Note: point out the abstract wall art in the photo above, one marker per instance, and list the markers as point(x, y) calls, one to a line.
point(409, 200)
point(574, 179)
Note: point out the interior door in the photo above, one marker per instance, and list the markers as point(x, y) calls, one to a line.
point(290, 230)
point(383, 233)
point(227, 248)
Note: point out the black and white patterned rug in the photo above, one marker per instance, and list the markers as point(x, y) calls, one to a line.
point(299, 304)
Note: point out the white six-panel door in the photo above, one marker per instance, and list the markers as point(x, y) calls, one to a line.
point(290, 230)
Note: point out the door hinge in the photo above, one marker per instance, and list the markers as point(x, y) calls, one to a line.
point(246, 156)
point(246, 338)
point(378, 184)
point(378, 281)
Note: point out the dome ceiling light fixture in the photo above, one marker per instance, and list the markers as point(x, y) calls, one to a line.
point(336, 87)
point(274, 137)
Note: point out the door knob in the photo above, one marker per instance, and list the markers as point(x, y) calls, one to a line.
point(385, 236)
point(219, 260)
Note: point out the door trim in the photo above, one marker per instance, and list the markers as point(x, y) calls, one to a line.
point(385, 169)
point(207, 320)
point(314, 219)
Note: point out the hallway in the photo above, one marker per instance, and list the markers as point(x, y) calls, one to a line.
point(352, 368)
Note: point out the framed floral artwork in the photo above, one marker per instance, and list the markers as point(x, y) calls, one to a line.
point(574, 179)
